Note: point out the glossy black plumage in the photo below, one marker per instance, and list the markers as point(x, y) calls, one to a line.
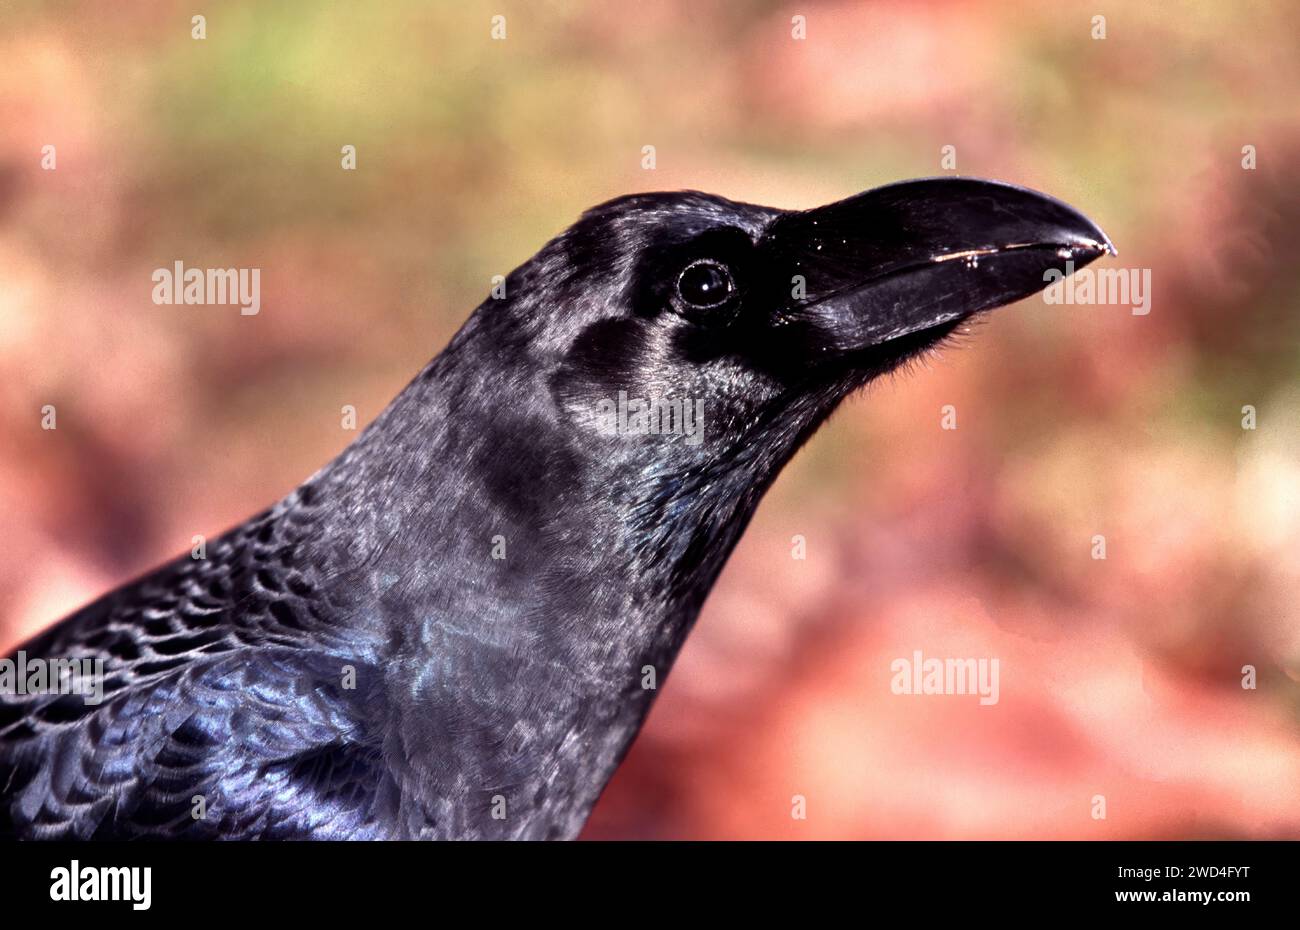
point(445, 632)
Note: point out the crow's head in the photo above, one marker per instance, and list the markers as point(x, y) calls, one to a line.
point(738, 315)
point(688, 280)
point(688, 344)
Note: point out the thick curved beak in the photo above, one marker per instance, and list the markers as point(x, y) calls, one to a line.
point(921, 254)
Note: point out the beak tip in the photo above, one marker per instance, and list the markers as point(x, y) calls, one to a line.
point(1088, 235)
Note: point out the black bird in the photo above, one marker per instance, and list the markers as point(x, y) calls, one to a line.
point(446, 631)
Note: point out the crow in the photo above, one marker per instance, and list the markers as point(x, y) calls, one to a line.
point(447, 632)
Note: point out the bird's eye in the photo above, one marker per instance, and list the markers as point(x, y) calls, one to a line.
point(705, 283)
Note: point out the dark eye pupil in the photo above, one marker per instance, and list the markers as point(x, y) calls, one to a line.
point(705, 284)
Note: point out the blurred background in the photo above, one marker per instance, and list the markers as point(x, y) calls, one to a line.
point(1119, 677)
